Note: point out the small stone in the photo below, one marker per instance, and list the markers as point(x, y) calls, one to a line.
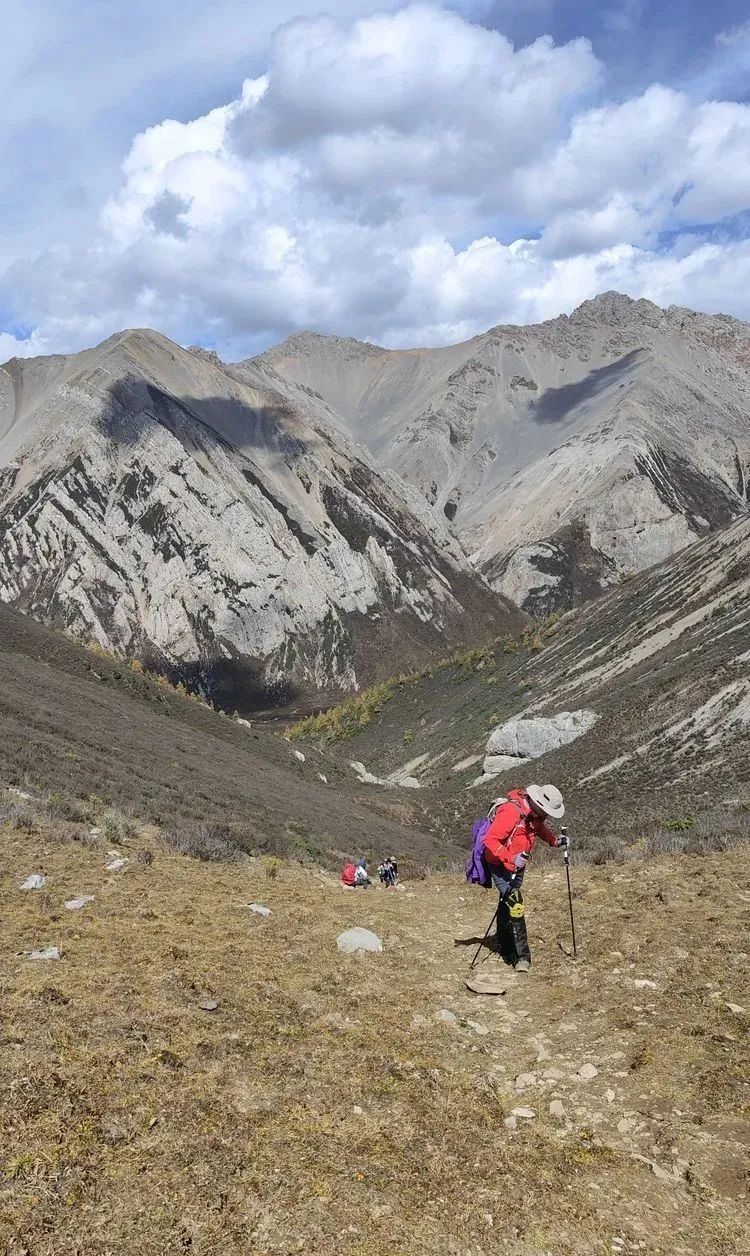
point(510, 1122)
point(625, 1125)
point(35, 882)
point(208, 1005)
point(557, 1108)
point(736, 1009)
point(553, 1075)
point(478, 1029)
point(299, 755)
point(47, 952)
point(609, 1096)
point(352, 940)
point(447, 1018)
point(95, 832)
point(588, 1072)
point(323, 778)
point(259, 909)
point(357, 1110)
point(526, 1114)
point(74, 904)
point(525, 1079)
point(116, 863)
point(643, 983)
point(488, 1220)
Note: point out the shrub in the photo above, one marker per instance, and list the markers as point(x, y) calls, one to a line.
point(15, 815)
point(63, 807)
point(115, 826)
point(211, 843)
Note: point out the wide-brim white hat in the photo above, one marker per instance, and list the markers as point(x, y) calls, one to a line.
point(548, 799)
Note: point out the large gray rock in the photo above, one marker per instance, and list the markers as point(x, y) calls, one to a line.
point(532, 736)
point(352, 940)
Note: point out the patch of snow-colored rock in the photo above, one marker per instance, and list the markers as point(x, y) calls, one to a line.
point(35, 882)
point(45, 953)
point(260, 910)
point(75, 904)
point(352, 940)
point(530, 737)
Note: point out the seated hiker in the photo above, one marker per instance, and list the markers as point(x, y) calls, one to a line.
point(360, 875)
point(518, 821)
point(348, 875)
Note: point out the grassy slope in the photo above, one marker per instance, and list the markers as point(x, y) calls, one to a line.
point(644, 658)
point(76, 722)
point(311, 1113)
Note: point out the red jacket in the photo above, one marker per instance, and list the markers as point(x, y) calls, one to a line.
point(513, 832)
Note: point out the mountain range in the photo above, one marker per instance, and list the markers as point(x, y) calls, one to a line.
point(565, 455)
point(331, 512)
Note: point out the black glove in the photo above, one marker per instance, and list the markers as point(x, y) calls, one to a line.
point(563, 842)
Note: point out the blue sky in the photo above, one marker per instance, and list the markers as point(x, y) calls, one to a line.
point(402, 173)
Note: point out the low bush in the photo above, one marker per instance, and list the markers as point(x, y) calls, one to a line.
point(115, 826)
point(211, 843)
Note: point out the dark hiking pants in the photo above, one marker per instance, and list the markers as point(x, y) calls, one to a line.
point(512, 937)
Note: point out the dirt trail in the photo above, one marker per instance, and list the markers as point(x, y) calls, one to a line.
point(364, 1105)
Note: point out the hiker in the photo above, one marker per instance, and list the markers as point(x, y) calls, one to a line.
point(391, 873)
point(517, 822)
point(360, 875)
point(348, 875)
point(383, 873)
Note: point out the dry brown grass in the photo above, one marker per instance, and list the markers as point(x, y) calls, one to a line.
point(136, 1122)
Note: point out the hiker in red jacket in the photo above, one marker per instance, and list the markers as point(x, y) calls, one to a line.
point(517, 823)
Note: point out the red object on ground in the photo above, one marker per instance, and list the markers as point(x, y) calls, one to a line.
point(348, 873)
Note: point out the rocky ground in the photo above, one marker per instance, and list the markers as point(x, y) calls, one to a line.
point(192, 1076)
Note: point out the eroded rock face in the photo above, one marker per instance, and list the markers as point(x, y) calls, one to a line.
point(161, 505)
point(565, 455)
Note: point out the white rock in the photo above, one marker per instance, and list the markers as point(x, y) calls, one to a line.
point(116, 864)
point(47, 952)
point(446, 1017)
point(357, 1110)
point(352, 940)
point(259, 909)
point(530, 737)
point(478, 1028)
point(557, 1108)
point(609, 1096)
point(299, 755)
point(643, 983)
point(510, 1123)
point(73, 904)
point(736, 1008)
point(35, 882)
point(588, 1072)
point(525, 1079)
point(526, 1114)
point(625, 1125)
point(323, 778)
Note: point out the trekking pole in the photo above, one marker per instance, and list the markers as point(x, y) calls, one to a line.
point(484, 939)
point(564, 832)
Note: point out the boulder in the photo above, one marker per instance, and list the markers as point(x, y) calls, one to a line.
point(352, 940)
point(35, 882)
point(532, 736)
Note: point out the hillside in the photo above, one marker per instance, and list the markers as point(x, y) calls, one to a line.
point(191, 1077)
point(566, 454)
point(656, 674)
point(217, 524)
point(97, 734)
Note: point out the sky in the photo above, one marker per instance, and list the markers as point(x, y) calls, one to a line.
point(228, 173)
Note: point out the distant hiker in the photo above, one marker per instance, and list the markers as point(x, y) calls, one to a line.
point(349, 875)
point(382, 873)
point(391, 873)
point(360, 874)
point(515, 824)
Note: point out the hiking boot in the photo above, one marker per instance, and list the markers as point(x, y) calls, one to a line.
point(522, 966)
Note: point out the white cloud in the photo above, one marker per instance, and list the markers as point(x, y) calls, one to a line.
point(406, 177)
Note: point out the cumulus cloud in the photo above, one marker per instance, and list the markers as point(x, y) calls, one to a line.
point(407, 177)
